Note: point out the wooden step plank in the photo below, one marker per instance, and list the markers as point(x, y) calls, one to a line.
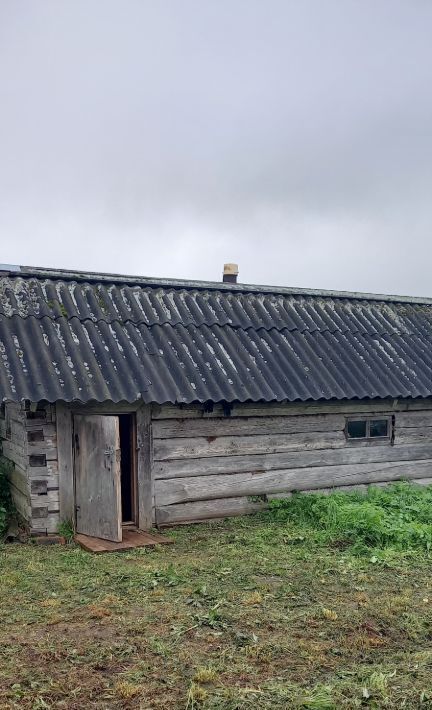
point(131, 540)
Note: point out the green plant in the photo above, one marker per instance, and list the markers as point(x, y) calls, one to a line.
point(66, 529)
point(5, 496)
point(398, 516)
point(257, 499)
point(54, 303)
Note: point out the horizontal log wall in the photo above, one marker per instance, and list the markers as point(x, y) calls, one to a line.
point(207, 465)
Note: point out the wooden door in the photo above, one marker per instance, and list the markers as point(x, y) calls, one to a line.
point(97, 476)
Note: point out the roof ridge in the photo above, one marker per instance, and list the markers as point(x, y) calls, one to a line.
point(26, 272)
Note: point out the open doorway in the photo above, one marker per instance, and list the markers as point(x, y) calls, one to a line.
point(127, 469)
point(105, 465)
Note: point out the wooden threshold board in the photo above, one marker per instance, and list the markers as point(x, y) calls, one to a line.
point(131, 539)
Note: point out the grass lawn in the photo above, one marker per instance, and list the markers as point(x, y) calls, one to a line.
point(255, 612)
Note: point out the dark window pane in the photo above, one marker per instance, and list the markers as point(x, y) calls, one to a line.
point(378, 427)
point(356, 429)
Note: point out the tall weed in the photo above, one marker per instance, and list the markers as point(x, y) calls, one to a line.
point(398, 516)
point(5, 496)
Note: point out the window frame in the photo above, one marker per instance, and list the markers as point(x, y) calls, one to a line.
point(368, 418)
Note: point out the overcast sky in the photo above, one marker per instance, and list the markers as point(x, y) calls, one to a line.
point(165, 137)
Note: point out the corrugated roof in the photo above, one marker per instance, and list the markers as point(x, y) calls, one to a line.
point(71, 336)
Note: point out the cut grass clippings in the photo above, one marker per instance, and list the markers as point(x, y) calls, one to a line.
point(270, 612)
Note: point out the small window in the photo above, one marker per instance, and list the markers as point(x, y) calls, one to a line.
point(368, 428)
point(378, 428)
point(356, 429)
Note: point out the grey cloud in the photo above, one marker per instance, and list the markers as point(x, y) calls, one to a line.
point(167, 137)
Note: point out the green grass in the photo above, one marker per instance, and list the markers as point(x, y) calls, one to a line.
point(272, 611)
point(398, 516)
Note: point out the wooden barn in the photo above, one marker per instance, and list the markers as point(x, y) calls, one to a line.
point(142, 402)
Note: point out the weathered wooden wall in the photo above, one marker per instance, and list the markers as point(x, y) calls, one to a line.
point(29, 441)
point(208, 465)
point(14, 447)
point(43, 468)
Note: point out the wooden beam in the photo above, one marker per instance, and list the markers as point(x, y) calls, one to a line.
point(183, 468)
point(104, 407)
point(65, 462)
point(413, 435)
point(145, 467)
point(191, 411)
point(20, 480)
point(204, 447)
point(206, 510)
point(185, 490)
point(246, 426)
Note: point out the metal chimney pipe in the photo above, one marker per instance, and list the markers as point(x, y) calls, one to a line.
point(230, 273)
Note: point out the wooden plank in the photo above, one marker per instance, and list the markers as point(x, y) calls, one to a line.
point(206, 510)
point(15, 452)
point(201, 447)
point(51, 479)
point(389, 406)
point(42, 501)
point(39, 512)
point(97, 476)
point(183, 490)
point(145, 467)
point(181, 411)
point(49, 431)
point(37, 416)
point(105, 407)
point(65, 462)
point(15, 410)
point(13, 430)
point(45, 448)
point(227, 507)
point(345, 407)
point(51, 499)
point(49, 428)
point(21, 471)
point(21, 502)
point(246, 426)
point(39, 487)
point(182, 468)
point(358, 488)
point(414, 419)
point(411, 435)
point(19, 479)
point(131, 540)
point(45, 525)
point(51, 469)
